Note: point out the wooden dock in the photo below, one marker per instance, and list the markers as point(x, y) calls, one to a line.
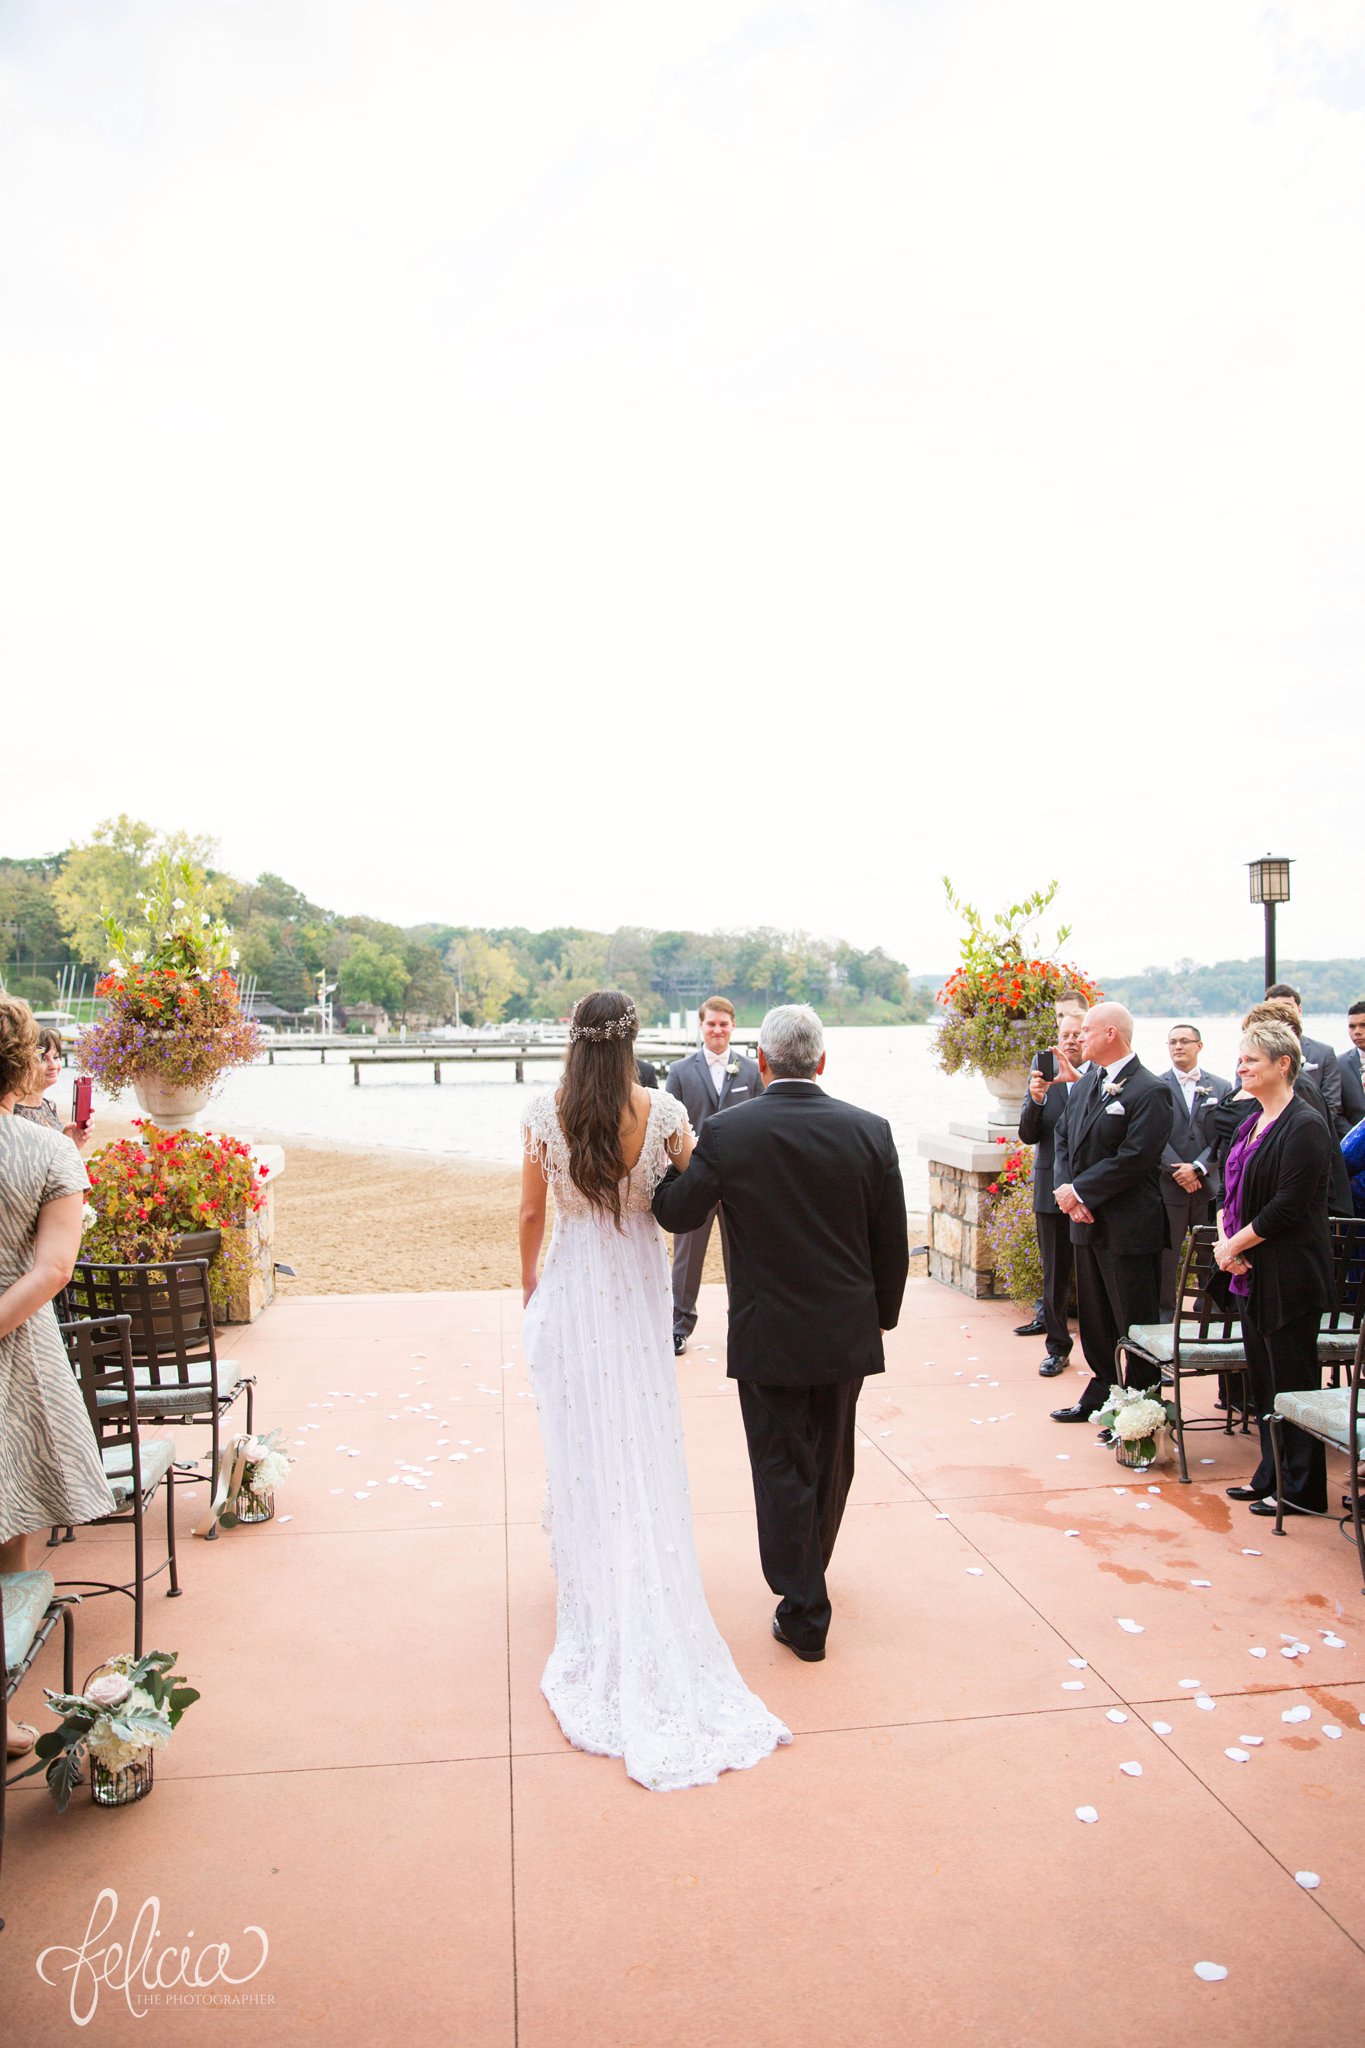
point(493, 1052)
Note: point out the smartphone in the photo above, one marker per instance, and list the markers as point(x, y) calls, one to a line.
point(82, 1100)
point(1047, 1065)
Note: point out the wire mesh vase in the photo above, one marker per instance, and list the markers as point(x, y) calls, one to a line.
point(121, 1787)
point(252, 1505)
point(1136, 1454)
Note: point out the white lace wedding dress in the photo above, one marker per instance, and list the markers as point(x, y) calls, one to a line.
point(639, 1669)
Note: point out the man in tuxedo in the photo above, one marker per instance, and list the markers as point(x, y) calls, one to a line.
point(1189, 1172)
point(709, 1079)
point(1319, 1060)
point(812, 1195)
point(1046, 1105)
point(1107, 1181)
point(1349, 1065)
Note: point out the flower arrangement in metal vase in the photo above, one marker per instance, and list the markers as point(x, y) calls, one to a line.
point(999, 1002)
point(127, 1711)
point(1010, 1229)
point(1136, 1418)
point(147, 1192)
point(258, 1464)
point(172, 1006)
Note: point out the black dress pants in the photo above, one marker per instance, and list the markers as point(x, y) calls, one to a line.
point(1054, 1243)
point(801, 1444)
point(1285, 1361)
point(1114, 1290)
point(1184, 1212)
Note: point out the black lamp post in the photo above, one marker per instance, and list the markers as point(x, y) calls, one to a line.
point(1269, 885)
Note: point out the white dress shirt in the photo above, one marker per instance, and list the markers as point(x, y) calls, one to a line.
point(717, 1062)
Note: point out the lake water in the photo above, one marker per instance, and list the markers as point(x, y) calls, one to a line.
point(475, 1115)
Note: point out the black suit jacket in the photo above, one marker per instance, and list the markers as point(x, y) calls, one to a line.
point(1284, 1199)
point(646, 1073)
point(1352, 1087)
point(1320, 1065)
point(819, 1249)
point(1038, 1123)
point(1110, 1148)
point(1189, 1139)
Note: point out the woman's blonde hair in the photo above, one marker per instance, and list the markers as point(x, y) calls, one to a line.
point(1275, 1040)
point(18, 1046)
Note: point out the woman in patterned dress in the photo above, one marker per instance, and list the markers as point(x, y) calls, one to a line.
point(50, 1466)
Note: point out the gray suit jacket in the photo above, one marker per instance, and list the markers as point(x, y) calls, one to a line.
point(1188, 1140)
point(690, 1081)
point(1320, 1065)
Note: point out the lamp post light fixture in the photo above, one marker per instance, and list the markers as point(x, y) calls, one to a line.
point(1269, 885)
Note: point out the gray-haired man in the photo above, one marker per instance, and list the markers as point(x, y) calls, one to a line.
point(818, 1260)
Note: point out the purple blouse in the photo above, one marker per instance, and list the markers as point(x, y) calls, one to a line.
point(1234, 1172)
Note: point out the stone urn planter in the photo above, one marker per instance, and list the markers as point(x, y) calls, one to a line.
point(169, 1107)
point(1010, 1087)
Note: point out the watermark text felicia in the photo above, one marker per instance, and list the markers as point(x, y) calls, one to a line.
point(142, 1973)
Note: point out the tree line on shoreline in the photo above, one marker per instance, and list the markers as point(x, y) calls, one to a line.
point(50, 921)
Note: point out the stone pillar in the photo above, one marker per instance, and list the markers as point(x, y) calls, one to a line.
point(248, 1302)
point(961, 1169)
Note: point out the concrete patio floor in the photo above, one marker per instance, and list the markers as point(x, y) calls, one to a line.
point(373, 1779)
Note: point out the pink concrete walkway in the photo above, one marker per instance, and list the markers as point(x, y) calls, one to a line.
point(373, 1779)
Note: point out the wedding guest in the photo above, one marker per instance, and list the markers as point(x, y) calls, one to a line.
point(36, 1106)
point(646, 1073)
point(1107, 1172)
point(1349, 1065)
point(50, 1466)
point(1273, 1241)
point(1227, 1117)
point(709, 1079)
point(1046, 1105)
point(1319, 1060)
point(1189, 1183)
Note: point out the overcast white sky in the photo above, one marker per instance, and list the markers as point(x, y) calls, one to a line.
point(712, 464)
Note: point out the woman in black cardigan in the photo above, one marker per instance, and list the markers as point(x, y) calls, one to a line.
point(1273, 1240)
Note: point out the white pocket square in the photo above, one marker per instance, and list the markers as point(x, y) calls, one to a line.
point(1115, 1109)
point(739, 1091)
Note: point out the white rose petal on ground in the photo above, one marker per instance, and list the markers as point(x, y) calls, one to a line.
point(1238, 1756)
point(1131, 1770)
point(1073, 1685)
point(1210, 1973)
point(1256, 1653)
point(1071, 1532)
point(1309, 1879)
point(974, 1571)
point(1252, 1741)
point(1087, 1814)
point(1201, 1582)
point(1130, 1627)
point(1191, 1684)
point(1251, 1553)
point(1204, 1703)
point(1116, 1717)
point(1079, 1663)
point(1297, 1714)
point(1331, 1731)
point(1334, 1642)
point(1161, 1727)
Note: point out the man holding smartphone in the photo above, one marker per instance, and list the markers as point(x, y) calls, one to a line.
point(1046, 1105)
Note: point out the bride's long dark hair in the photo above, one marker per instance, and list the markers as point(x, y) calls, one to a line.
point(599, 1074)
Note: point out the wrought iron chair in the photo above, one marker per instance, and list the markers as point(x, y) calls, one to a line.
point(30, 1608)
point(1332, 1415)
point(101, 1355)
point(1205, 1338)
point(1342, 1321)
point(177, 1372)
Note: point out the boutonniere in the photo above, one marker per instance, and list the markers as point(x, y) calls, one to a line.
point(1113, 1088)
point(1204, 1094)
point(732, 1067)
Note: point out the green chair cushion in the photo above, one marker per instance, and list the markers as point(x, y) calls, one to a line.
point(1156, 1341)
point(27, 1596)
point(168, 1397)
point(157, 1453)
point(1325, 1411)
point(1337, 1347)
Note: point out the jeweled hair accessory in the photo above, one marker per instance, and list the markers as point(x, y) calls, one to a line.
point(624, 1026)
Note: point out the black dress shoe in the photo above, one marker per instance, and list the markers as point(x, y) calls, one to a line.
point(1051, 1366)
point(1107, 1438)
point(1076, 1414)
point(1244, 1493)
point(1037, 1328)
point(806, 1656)
point(1267, 1507)
point(679, 1346)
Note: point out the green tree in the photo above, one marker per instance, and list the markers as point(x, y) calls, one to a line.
point(105, 874)
point(487, 975)
point(371, 976)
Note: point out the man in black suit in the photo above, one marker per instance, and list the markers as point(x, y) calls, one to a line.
point(709, 1079)
point(1046, 1105)
point(1189, 1171)
point(1107, 1171)
point(819, 1254)
point(1319, 1061)
point(1349, 1065)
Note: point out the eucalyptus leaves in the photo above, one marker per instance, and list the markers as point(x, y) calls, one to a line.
point(130, 1707)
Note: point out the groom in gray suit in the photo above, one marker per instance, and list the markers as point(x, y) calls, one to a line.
point(708, 1080)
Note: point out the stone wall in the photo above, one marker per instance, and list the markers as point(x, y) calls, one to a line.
point(960, 1172)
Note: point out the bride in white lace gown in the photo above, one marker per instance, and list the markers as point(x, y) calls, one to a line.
point(639, 1669)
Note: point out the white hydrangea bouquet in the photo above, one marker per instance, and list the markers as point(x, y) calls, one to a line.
point(128, 1708)
point(256, 1465)
point(1136, 1417)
